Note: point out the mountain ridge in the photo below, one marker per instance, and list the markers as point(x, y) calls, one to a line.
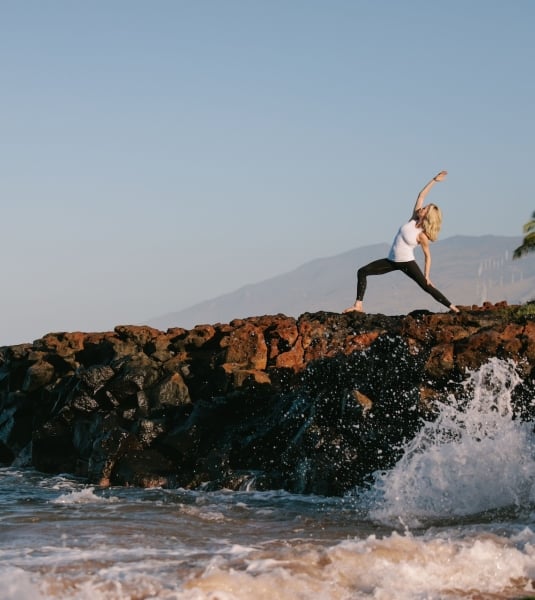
point(469, 270)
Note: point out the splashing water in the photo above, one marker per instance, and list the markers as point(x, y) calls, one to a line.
point(474, 457)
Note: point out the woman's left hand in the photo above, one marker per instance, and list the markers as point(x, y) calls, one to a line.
point(441, 176)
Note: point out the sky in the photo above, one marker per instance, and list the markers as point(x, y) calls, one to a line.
point(155, 154)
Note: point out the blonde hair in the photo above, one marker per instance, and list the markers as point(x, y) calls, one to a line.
point(432, 222)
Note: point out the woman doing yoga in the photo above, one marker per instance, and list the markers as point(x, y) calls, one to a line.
point(422, 228)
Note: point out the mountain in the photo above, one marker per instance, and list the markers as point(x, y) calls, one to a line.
point(468, 270)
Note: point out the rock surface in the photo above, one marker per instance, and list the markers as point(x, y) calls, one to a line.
point(310, 405)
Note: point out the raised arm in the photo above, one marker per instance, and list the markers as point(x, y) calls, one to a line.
point(421, 196)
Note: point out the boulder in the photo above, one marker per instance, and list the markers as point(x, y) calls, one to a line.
point(311, 405)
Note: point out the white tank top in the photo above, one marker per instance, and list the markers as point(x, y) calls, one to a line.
point(405, 242)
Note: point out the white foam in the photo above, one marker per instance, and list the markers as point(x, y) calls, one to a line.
point(401, 567)
point(474, 457)
point(84, 496)
point(404, 567)
point(17, 584)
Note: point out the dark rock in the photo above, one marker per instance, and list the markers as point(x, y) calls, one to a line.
point(38, 375)
point(6, 455)
point(169, 392)
point(95, 377)
point(312, 405)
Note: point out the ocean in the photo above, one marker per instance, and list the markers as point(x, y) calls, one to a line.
point(454, 518)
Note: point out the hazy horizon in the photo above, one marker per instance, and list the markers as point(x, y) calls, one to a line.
point(470, 270)
point(157, 154)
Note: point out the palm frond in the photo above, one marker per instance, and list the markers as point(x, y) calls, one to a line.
point(528, 245)
point(530, 224)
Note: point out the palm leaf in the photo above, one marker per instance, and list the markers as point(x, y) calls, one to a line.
point(530, 225)
point(528, 243)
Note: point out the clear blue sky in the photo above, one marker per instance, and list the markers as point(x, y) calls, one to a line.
point(154, 154)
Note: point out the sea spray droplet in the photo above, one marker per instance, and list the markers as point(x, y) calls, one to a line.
point(474, 457)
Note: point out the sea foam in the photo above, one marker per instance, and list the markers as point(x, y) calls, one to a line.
point(474, 457)
point(84, 496)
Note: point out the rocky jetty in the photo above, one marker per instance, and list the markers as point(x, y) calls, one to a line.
point(310, 405)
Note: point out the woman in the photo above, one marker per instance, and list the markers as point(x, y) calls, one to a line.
point(422, 228)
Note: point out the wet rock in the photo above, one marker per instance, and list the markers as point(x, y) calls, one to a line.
point(38, 375)
point(312, 405)
point(95, 377)
point(6, 455)
point(53, 449)
point(170, 392)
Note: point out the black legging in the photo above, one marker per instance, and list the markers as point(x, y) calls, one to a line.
point(410, 268)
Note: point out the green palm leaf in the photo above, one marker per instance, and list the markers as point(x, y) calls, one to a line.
point(528, 244)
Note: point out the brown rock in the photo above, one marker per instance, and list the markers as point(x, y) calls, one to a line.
point(38, 375)
point(363, 400)
point(280, 337)
point(62, 344)
point(441, 360)
point(291, 399)
point(528, 339)
point(246, 347)
point(139, 334)
point(293, 359)
point(361, 341)
point(199, 336)
point(241, 377)
point(172, 391)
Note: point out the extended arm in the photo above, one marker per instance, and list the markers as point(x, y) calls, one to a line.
point(424, 243)
point(421, 196)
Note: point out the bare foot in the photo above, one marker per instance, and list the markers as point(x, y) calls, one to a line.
point(357, 307)
point(454, 309)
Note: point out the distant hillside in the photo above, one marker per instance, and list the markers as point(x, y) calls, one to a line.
point(468, 270)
